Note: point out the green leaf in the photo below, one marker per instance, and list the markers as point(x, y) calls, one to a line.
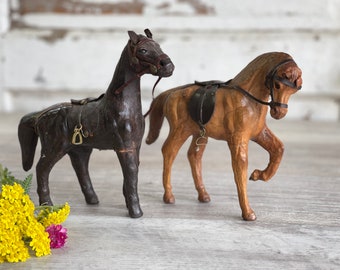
point(26, 184)
point(6, 178)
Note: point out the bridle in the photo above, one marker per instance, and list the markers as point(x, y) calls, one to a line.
point(270, 81)
point(134, 61)
point(141, 65)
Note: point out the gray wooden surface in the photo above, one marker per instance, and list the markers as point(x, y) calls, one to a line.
point(298, 211)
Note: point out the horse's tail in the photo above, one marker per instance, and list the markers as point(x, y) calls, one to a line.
point(28, 139)
point(156, 115)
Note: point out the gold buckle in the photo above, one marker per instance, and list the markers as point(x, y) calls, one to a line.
point(200, 138)
point(77, 137)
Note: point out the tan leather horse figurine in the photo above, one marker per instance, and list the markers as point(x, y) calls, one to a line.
point(239, 116)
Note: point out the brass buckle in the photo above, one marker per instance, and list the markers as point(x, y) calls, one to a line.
point(200, 138)
point(77, 137)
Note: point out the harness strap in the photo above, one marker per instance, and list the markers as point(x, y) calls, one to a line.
point(154, 68)
point(271, 75)
point(270, 78)
point(132, 51)
point(121, 88)
point(246, 93)
point(286, 82)
point(153, 97)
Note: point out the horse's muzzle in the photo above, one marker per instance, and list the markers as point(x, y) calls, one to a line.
point(165, 67)
point(278, 112)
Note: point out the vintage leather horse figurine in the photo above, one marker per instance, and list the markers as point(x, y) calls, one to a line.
point(239, 115)
point(112, 121)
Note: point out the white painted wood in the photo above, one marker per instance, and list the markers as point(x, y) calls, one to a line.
point(56, 57)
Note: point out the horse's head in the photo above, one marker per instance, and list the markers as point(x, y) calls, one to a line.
point(283, 81)
point(147, 56)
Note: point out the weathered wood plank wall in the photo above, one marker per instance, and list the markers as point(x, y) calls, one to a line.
point(53, 50)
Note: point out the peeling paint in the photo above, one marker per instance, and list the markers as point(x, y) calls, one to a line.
point(54, 35)
point(80, 7)
point(199, 7)
point(185, 8)
point(98, 8)
point(164, 5)
point(49, 36)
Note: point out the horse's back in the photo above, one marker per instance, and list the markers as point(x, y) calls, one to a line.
point(176, 106)
point(232, 112)
point(177, 98)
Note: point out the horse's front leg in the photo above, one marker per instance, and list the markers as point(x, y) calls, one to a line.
point(80, 157)
point(239, 156)
point(275, 148)
point(195, 154)
point(129, 161)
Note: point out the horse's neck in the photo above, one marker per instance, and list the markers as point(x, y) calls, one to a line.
point(254, 84)
point(125, 82)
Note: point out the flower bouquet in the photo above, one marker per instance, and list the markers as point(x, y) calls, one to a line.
point(23, 225)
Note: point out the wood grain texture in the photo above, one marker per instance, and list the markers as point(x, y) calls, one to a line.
point(298, 210)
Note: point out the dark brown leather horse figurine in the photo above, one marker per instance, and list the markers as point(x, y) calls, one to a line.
point(112, 121)
point(239, 115)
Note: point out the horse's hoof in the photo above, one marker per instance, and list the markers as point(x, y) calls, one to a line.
point(46, 202)
point(204, 198)
point(249, 217)
point(169, 199)
point(259, 175)
point(92, 200)
point(135, 213)
point(256, 175)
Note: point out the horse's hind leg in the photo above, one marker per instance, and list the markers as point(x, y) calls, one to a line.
point(195, 154)
point(275, 148)
point(170, 149)
point(80, 161)
point(43, 169)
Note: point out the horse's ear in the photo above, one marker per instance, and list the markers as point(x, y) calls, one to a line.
point(133, 36)
point(148, 33)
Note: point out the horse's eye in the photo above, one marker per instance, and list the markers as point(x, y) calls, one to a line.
point(277, 85)
point(142, 51)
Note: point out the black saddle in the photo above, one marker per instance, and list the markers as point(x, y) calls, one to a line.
point(85, 100)
point(202, 103)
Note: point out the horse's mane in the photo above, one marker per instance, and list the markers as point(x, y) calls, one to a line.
point(260, 66)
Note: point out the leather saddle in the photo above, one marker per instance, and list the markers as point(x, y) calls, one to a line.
point(85, 100)
point(202, 102)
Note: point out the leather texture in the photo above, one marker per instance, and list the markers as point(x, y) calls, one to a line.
point(202, 103)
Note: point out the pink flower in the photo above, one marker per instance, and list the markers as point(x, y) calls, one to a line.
point(57, 234)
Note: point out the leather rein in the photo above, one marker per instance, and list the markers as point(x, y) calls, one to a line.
point(270, 79)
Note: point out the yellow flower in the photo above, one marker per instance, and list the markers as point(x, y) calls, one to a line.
point(12, 193)
point(40, 242)
point(17, 223)
point(49, 215)
point(12, 249)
